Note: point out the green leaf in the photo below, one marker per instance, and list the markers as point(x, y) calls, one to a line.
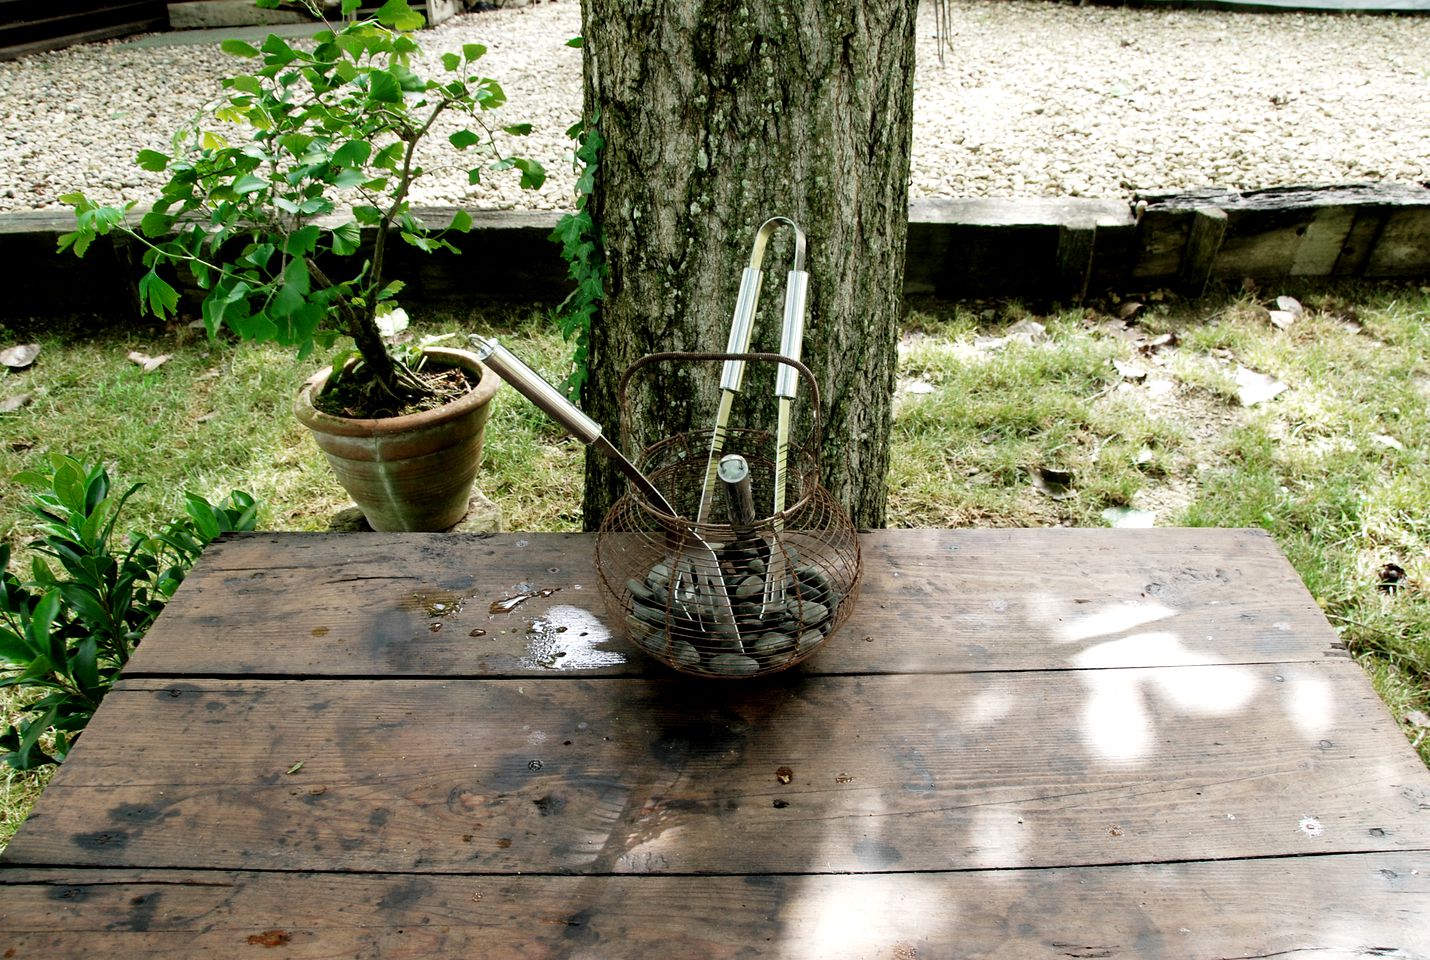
point(518, 129)
point(461, 221)
point(367, 215)
point(473, 51)
point(533, 175)
point(354, 153)
point(577, 42)
point(249, 183)
point(350, 7)
point(296, 143)
point(383, 87)
point(86, 664)
point(203, 515)
point(349, 178)
point(425, 244)
point(267, 4)
point(79, 241)
point(399, 16)
point(389, 157)
point(294, 292)
point(277, 52)
point(346, 239)
point(161, 298)
point(451, 61)
point(151, 160)
point(156, 224)
point(238, 48)
point(302, 242)
point(489, 94)
point(245, 84)
point(463, 139)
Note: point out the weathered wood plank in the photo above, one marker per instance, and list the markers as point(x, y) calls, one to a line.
point(1285, 231)
point(1322, 242)
point(932, 601)
point(1204, 241)
point(1303, 906)
point(1077, 245)
point(1403, 246)
point(887, 773)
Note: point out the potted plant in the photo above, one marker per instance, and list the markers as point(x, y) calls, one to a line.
point(282, 205)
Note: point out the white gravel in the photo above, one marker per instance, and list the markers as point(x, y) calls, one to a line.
point(1034, 99)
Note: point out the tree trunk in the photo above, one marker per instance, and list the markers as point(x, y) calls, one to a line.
point(718, 114)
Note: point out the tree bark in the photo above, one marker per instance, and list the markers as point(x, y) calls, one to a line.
point(718, 114)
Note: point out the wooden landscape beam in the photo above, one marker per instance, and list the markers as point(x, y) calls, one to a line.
point(1040, 249)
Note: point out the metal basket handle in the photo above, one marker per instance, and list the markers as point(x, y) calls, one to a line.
point(623, 394)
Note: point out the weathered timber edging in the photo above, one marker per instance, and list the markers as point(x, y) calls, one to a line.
point(1048, 249)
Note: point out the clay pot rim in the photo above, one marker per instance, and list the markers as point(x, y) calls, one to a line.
point(479, 396)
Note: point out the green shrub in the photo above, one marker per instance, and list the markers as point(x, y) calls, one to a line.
point(69, 630)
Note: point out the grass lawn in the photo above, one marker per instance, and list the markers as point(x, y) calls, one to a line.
point(1134, 413)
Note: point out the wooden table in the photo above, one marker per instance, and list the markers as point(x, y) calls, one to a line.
point(1061, 743)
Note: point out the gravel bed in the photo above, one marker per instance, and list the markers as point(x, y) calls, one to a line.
point(1034, 99)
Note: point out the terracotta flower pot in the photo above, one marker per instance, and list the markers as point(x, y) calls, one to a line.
point(413, 472)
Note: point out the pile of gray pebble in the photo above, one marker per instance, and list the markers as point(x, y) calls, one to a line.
point(1030, 99)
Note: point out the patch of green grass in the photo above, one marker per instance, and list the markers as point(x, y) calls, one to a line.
point(1338, 471)
point(971, 450)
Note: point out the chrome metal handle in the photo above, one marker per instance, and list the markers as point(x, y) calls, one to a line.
point(792, 332)
point(535, 388)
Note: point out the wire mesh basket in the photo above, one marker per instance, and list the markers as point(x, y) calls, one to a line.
point(730, 595)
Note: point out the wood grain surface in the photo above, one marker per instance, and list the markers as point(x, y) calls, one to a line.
point(1335, 906)
point(932, 602)
point(1071, 743)
point(886, 773)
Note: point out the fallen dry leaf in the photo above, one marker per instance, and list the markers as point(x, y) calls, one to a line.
point(1131, 371)
point(1290, 305)
point(1281, 319)
point(918, 387)
point(1054, 483)
point(1387, 441)
point(18, 358)
point(1253, 388)
point(11, 404)
point(784, 774)
point(1028, 331)
point(1129, 310)
point(149, 363)
point(1159, 342)
point(1128, 519)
